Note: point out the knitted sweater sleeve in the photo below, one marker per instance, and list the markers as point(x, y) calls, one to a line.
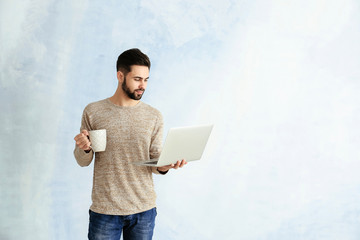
point(156, 141)
point(83, 158)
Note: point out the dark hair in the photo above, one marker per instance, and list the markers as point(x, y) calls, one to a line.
point(132, 57)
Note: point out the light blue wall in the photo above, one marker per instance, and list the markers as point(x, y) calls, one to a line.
point(280, 80)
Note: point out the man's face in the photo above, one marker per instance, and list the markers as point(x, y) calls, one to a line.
point(135, 82)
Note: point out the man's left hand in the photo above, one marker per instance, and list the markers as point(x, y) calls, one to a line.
point(178, 164)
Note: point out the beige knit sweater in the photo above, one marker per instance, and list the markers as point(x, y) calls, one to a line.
point(133, 134)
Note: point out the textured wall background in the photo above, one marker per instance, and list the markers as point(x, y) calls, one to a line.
point(280, 80)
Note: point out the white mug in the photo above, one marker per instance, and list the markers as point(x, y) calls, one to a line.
point(98, 140)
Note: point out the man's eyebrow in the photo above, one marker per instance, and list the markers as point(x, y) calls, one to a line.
point(140, 77)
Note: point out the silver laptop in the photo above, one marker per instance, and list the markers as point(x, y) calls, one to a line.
point(182, 143)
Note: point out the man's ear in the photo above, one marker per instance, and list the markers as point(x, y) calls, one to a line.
point(120, 76)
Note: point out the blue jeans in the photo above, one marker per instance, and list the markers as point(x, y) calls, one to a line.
point(139, 226)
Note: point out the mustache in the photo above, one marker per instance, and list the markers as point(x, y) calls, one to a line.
point(140, 89)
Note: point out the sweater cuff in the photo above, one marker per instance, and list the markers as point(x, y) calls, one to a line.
point(156, 171)
point(83, 158)
point(161, 172)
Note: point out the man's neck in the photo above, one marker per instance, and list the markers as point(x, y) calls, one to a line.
point(121, 99)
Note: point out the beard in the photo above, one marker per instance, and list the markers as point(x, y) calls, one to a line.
point(133, 95)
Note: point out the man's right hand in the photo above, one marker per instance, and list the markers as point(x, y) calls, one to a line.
point(82, 140)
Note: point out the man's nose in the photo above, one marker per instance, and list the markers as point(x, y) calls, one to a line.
point(142, 84)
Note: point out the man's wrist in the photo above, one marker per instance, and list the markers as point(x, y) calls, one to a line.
point(162, 172)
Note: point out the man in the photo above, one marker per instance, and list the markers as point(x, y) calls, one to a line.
point(123, 196)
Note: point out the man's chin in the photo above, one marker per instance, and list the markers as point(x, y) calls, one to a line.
point(137, 97)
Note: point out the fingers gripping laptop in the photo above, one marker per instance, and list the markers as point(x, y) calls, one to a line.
point(182, 143)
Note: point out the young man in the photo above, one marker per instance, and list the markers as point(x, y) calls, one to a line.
point(123, 196)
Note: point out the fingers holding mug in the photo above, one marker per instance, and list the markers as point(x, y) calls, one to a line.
point(82, 140)
point(85, 132)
